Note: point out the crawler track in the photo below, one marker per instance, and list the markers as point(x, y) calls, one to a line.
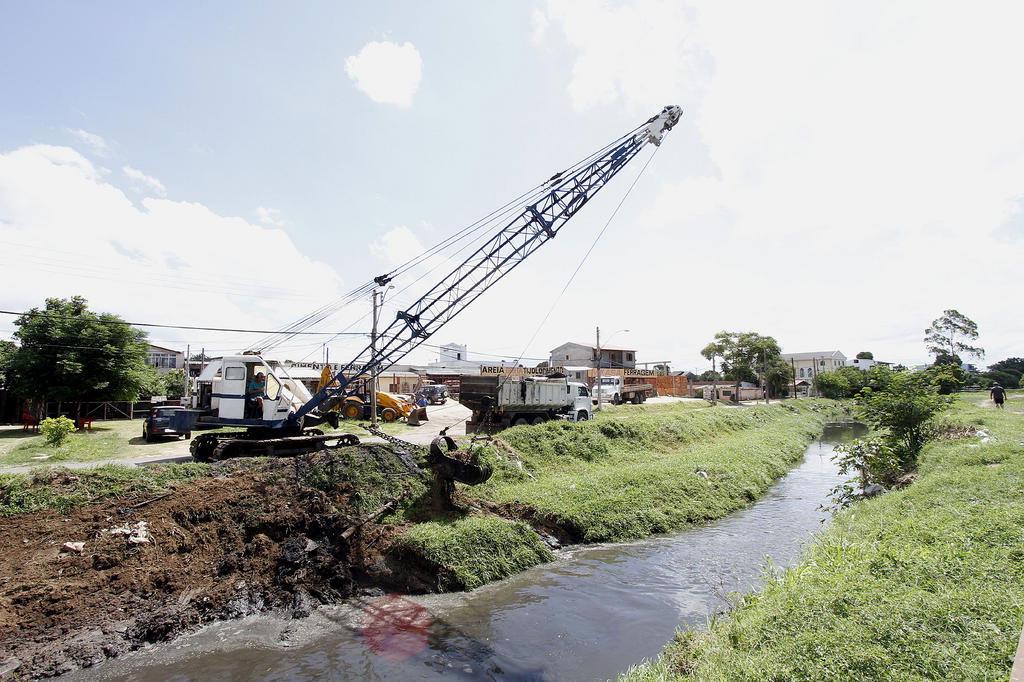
point(210, 447)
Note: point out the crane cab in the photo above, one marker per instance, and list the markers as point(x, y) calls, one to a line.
point(246, 390)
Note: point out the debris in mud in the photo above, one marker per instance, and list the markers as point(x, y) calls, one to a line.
point(254, 536)
point(137, 533)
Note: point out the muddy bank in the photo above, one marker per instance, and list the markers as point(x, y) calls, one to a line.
point(253, 536)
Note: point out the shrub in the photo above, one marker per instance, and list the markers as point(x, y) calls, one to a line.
point(903, 411)
point(56, 430)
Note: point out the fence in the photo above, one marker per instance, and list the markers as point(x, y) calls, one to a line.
point(101, 410)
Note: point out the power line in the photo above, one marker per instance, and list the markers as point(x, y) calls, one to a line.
point(175, 326)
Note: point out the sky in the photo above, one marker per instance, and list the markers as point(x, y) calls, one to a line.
point(842, 174)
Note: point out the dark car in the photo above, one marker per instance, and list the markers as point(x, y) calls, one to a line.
point(160, 423)
point(436, 394)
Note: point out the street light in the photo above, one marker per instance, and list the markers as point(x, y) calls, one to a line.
point(598, 384)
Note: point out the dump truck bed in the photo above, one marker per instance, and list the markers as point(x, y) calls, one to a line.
point(478, 393)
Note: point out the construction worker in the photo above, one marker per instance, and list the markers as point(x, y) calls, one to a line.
point(254, 391)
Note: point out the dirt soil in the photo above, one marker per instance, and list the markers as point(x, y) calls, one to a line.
point(248, 539)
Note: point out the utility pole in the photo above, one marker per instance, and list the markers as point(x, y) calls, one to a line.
point(792, 363)
point(597, 386)
point(764, 374)
point(373, 370)
point(188, 375)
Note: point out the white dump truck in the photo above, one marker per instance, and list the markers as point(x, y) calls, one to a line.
point(498, 401)
point(616, 390)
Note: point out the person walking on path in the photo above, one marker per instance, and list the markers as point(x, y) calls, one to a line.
point(998, 395)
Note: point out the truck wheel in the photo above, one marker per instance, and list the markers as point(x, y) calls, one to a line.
point(388, 415)
point(636, 398)
point(582, 416)
point(351, 411)
point(539, 419)
point(617, 399)
point(520, 421)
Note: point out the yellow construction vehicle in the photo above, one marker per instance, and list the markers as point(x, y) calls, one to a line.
point(390, 407)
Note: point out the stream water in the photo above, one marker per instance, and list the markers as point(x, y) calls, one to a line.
point(589, 615)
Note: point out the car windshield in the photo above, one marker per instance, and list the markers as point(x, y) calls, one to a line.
point(608, 381)
point(165, 413)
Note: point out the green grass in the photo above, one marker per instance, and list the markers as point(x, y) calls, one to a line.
point(923, 583)
point(61, 490)
point(118, 439)
point(652, 469)
point(474, 550)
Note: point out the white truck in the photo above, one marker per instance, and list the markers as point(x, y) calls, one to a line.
point(616, 390)
point(498, 402)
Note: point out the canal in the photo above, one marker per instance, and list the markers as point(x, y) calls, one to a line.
point(590, 614)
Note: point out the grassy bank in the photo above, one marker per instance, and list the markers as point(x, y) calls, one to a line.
point(629, 474)
point(63, 490)
point(923, 583)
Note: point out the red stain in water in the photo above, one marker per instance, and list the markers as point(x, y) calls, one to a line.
point(396, 628)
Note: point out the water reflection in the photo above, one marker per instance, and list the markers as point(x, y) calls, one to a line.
point(589, 615)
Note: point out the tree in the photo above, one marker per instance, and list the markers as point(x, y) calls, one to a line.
point(710, 375)
point(865, 355)
point(712, 351)
point(946, 378)
point(1007, 373)
point(72, 354)
point(949, 336)
point(174, 383)
point(7, 350)
point(844, 382)
point(903, 411)
point(749, 356)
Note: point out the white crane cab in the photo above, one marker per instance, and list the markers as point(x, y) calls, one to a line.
point(247, 390)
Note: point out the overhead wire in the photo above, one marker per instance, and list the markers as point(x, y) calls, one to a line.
point(579, 266)
point(493, 219)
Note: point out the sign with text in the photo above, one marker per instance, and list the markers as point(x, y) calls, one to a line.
point(493, 370)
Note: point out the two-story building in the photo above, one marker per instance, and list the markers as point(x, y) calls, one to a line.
point(164, 359)
point(585, 355)
point(808, 365)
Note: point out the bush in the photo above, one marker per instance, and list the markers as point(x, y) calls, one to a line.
point(903, 411)
point(845, 382)
point(56, 430)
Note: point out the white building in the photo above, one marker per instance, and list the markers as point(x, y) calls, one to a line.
point(164, 359)
point(809, 365)
point(585, 355)
point(865, 364)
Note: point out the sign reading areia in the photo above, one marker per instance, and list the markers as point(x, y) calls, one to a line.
point(544, 371)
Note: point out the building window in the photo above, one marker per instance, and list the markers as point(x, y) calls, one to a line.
point(629, 356)
point(163, 360)
point(458, 356)
point(567, 357)
point(801, 372)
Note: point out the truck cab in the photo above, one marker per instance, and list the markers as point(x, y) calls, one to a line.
point(616, 390)
point(582, 409)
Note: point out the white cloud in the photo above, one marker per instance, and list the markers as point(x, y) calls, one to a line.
point(142, 182)
point(271, 217)
point(387, 72)
point(396, 246)
point(639, 52)
point(841, 175)
point(96, 143)
point(67, 231)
